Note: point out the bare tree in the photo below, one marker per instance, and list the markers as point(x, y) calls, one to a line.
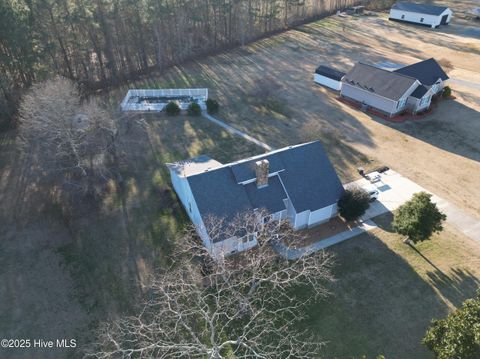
point(68, 137)
point(244, 306)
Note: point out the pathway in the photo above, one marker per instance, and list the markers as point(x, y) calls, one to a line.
point(394, 190)
point(295, 253)
point(236, 132)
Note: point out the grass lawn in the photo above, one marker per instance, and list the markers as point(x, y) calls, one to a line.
point(386, 293)
point(63, 273)
point(135, 230)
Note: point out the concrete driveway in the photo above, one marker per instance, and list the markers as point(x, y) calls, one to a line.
point(395, 189)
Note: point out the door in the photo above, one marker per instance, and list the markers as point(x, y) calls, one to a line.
point(444, 20)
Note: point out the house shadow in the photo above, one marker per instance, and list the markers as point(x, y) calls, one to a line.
point(378, 304)
point(451, 126)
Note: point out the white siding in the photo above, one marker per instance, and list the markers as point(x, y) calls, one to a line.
point(371, 99)
point(328, 82)
point(429, 20)
point(184, 193)
point(321, 215)
point(231, 246)
point(301, 220)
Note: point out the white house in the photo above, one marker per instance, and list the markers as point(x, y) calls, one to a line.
point(409, 88)
point(296, 183)
point(421, 14)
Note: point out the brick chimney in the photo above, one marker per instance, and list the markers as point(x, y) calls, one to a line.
point(261, 171)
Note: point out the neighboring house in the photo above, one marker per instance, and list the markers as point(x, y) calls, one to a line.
point(296, 183)
point(381, 89)
point(428, 72)
point(408, 88)
point(328, 77)
point(421, 14)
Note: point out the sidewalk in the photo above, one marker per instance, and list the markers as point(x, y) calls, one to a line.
point(394, 190)
point(295, 253)
point(236, 132)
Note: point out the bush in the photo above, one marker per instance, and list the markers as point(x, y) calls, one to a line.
point(458, 335)
point(172, 109)
point(212, 106)
point(353, 203)
point(418, 218)
point(447, 92)
point(194, 109)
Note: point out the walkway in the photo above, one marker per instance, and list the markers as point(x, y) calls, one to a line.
point(236, 132)
point(394, 190)
point(295, 253)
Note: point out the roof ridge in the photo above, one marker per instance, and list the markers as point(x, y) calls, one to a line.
point(243, 160)
point(387, 71)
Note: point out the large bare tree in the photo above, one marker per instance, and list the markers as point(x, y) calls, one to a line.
point(69, 138)
point(244, 306)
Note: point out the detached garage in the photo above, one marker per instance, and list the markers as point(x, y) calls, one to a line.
point(421, 14)
point(328, 77)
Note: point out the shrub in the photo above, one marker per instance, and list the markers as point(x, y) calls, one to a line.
point(447, 92)
point(172, 109)
point(418, 218)
point(353, 203)
point(194, 109)
point(212, 106)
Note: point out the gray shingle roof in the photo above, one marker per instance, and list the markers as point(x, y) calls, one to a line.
point(308, 176)
point(245, 170)
point(420, 8)
point(427, 72)
point(419, 91)
point(329, 72)
point(270, 197)
point(384, 83)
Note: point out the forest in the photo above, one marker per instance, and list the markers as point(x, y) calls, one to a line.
point(100, 43)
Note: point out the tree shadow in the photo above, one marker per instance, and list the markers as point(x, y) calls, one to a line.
point(379, 304)
point(456, 286)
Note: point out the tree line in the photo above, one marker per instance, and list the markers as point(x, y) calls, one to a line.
point(98, 43)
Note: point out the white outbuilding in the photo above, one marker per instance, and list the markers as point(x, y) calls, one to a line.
point(326, 76)
point(421, 14)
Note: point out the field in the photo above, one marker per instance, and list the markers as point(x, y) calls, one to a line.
point(266, 90)
point(386, 292)
point(59, 277)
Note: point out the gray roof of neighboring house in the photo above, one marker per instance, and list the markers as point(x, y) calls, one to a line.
point(379, 81)
point(309, 179)
point(329, 72)
point(419, 91)
point(427, 72)
point(420, 8)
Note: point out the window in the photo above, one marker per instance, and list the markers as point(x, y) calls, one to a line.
point(190, 207)
point(434, 88)
point(401, 103)
point(425, 100)
point(403, 17)
point(267, 219)
point(249, 237)
point(421, 19)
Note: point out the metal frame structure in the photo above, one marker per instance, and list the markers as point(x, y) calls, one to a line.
point(137, 99)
